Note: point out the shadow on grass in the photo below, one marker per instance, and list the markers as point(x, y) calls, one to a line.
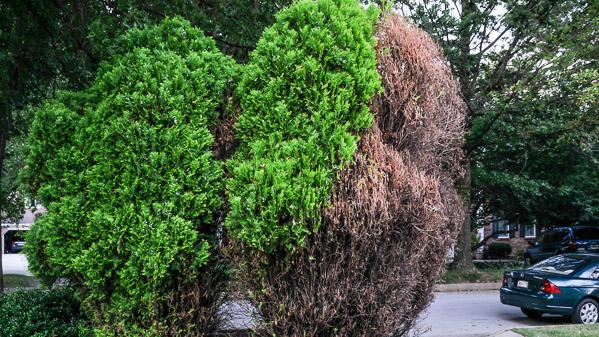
point(14, 281)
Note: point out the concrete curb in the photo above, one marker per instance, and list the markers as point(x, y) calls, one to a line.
point(467, 287)
point(506, 333)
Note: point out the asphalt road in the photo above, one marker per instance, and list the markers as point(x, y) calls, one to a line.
point(15, 264)
point(474, 314)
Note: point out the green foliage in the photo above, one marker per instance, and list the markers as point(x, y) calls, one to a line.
point(533, 132)
point(49, 146)
point(544, 164)
point(304, 96)
point(499, 250)
point(171, 35)
point(126, 172)
point(236, 25)
point(57, 45)
point(40, 313)
point(12, 202)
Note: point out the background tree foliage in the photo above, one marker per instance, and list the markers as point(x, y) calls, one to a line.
point(127, 174)
point(528, 73)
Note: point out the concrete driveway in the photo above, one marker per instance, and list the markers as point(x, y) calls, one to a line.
point(474, 314)
point(15, 264)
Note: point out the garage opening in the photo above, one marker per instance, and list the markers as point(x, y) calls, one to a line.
point(14, 241)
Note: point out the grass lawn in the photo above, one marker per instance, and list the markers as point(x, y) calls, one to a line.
point(477, 276)
point(580, 330)
point(19, 281)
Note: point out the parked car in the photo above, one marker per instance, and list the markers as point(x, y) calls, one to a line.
point(582, 239)
point(565, 284)
point(17, 246)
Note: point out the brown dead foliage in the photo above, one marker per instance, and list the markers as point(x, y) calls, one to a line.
point(371, 268)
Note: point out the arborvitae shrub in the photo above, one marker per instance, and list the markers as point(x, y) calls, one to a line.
point(131, 186)
point(367, 250)
point(341, 203)
point(304, 97)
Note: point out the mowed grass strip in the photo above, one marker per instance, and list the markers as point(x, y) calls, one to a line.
point(476, 276)
point(580, 330)
point(19, 281)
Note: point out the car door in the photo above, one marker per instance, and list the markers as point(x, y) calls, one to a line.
point(552, 243)
point(535, 250)
point(588, 280)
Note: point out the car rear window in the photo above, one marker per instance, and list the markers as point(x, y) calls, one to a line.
point(562, 265)
point(554, 236)
point(586, 233)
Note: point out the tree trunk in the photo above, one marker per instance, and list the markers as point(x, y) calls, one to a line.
point(3, 137)
point(463, 255)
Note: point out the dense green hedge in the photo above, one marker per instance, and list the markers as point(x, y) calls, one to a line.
point(304, 98)
point(499, 250)
point(40, 313)
point(127, 174)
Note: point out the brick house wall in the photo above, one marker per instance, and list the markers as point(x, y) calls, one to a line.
point(518, 239)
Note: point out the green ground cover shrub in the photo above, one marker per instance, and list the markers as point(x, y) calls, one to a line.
point(499, 250)
point(41, 313)
point(304, 96)
point(127, 174)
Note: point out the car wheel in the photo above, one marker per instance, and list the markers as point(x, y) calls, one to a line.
point(534, 314)
point(587, 312)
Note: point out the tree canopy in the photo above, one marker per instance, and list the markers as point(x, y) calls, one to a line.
point(526, 70)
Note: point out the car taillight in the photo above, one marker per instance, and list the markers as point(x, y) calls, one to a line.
point(504, 280)
point(549, 287)
point(572, 246)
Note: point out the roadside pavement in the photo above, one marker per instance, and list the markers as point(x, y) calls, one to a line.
point(507, 334)
point(474, 314)
point(15, 264)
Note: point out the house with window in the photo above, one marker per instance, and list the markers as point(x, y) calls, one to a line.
point(10, 232)
point(517, 235)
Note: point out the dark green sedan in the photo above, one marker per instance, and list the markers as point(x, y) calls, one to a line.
point(565, 284)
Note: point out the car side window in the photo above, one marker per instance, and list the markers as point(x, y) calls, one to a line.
point(540, 238)
point(552, 237)
point(555, 236)
point(591, 273)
